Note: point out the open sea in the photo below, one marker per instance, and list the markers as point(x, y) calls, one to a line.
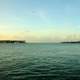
point(39, 61)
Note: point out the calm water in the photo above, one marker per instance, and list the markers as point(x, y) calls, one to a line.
point(39, 61)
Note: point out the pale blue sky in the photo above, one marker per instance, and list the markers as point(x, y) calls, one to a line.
point(40, 20)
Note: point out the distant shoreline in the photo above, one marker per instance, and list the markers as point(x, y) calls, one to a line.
point(72, 42)
point(23, 41)
point(12, 41)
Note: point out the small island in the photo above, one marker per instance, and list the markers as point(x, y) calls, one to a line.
point(12, 41)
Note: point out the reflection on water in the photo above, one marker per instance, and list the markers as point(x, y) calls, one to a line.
point(39, 61)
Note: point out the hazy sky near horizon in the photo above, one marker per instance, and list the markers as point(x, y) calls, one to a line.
point(40, 20)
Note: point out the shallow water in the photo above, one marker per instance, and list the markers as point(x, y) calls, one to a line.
point(39, 61)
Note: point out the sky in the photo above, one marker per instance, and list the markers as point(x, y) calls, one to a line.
point(40, 20)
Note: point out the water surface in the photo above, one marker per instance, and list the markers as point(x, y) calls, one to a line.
point(39, 61)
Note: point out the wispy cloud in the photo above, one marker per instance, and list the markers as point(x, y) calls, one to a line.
point(41, 14)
